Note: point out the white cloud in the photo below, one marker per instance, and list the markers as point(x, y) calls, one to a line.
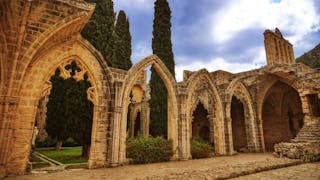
point(140, 51)
point(213, 65)
point(294, 16)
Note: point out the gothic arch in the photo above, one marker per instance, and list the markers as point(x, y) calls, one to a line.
point(267, 98)
point(63, 30)
point(213, 105)
point(170, 84)
point(272, 78)
point(33, 86)
point(238, 90)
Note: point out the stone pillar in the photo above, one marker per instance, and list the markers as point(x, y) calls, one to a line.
point(8, 107)
point(145, 117)
point(228, 136)
point(116, 134)
point(116, 127)
point(211, 128)
point(98, 149)
point(184, 129)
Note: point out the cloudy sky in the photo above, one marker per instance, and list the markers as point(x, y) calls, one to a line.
point(227, 35)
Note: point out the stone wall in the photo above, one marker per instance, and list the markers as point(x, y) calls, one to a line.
point(278, 49)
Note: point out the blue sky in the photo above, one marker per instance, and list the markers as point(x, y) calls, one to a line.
point(225, 35)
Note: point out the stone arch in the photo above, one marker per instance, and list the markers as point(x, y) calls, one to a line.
point(288, 74)
point(131, 121)
point(238, 90)
point(33, 86)
point(131, 78)
point(201, 79)
point(275, 96)
point(63, 30)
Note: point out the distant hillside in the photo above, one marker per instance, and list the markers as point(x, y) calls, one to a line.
point(311, 58)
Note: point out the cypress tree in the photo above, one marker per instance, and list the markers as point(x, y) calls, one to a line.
point(56, 123)
point(162, 47)
point(122, 29)
point(116, 58)
point(79, 110)
point(99, 29)
point(69, 112)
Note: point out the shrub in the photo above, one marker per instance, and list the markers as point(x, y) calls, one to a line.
point(70, 142)
point(48, 142)
point(200, 148)
point(144, 149)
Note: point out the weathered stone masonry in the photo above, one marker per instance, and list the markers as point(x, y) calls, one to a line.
point(37, 37)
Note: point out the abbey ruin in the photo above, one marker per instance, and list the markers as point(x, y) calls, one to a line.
point(248, 112)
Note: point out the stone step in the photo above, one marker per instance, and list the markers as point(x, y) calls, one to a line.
point(309, 132)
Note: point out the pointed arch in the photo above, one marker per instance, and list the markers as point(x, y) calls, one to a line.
point(170, 83)
point(63, 30)
point(281, 113)
point(238, 90)
point(202, 80)
point(33, 84)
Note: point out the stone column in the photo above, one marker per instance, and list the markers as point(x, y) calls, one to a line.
point(116, 127)
point(8, 107)
point(98, 149)
point(116, 134)
point(145, 117)
point(184, 129)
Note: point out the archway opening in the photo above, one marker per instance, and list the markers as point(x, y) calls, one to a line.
point(138, 108)
point(238, 125)
point(64, 118)
point(314, 104)
point(281, 114)
point(137, 125)
point(200, 123)
point(161, 125)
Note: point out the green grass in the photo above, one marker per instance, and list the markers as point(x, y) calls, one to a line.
point(67, 155)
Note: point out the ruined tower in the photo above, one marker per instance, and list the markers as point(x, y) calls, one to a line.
point(278, 49)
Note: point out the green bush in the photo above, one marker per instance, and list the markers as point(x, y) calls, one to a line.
point(48, 142)
point(200, 148)
point(144, 149)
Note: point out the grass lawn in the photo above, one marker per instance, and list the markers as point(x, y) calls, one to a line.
point(67, 155)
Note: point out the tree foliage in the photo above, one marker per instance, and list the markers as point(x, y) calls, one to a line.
point(69, 110)
point(56, 124)
point(112, 38)
point(123, 49)
point(162, 47)
point(99, 29)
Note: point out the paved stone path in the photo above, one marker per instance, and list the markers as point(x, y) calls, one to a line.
point(211, 168)
point(304, 172)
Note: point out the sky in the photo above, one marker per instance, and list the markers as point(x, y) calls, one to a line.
point(223, 34)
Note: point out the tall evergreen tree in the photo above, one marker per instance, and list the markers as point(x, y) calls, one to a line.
point(100, 27)
point(79, 110)
point(69, 112)
point(162, 47)
point(56, 123)
point(122, 29)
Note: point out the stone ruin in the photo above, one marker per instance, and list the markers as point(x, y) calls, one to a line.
point(252, 111)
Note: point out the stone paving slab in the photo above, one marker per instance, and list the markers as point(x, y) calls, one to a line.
point(309, 171)
point(210, 168)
